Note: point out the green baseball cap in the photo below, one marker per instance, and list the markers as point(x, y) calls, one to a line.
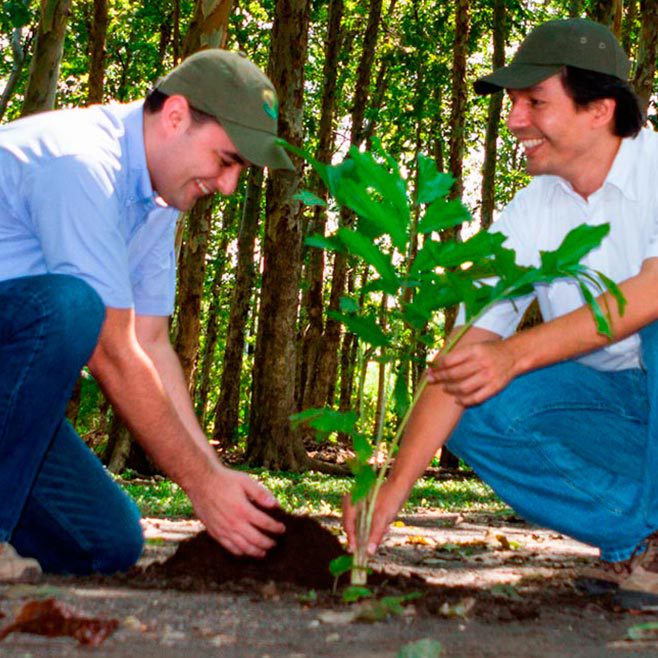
point(576, 42)
point(227, 86)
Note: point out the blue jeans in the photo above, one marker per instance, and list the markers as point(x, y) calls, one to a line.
point(574, 449)
point(58, 504)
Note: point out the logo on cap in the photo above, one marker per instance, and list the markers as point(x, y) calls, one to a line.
point(270, 104)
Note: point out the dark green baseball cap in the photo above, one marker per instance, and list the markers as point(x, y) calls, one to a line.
point(239, 95)
point(576, 42)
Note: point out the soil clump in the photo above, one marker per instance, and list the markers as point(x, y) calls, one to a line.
point(301, 557)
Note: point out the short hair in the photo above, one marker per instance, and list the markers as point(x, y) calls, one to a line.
point(584, 87)
point(156, 99)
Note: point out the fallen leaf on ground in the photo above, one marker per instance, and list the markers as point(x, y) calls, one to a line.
point(646, 631)
point(425, 648)
point(418, 540)
point(398, 524)
point(54, 618)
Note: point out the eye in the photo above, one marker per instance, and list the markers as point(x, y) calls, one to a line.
point(536, 102)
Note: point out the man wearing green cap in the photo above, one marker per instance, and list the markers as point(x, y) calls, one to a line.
point(560, 421)
point(88, 205)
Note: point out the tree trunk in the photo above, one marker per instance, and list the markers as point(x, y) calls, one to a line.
point(493, 120)
point(627, 33)
point(575, 9)
point(192, 272)
point(212, 324)
point(327, 372)
point(18, 50)
point(309, 394)
point(607, 12)
point(228, 404)
point(456, 153)
point(48, 50)
point(97, 40)
point(646, 60)
point(208, 27)
point(271, 441)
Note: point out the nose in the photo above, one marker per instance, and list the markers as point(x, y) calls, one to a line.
point(517, 117)
point(227, 180)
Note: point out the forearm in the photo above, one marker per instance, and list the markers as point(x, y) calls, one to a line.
point(575, 333)
point(132, 383)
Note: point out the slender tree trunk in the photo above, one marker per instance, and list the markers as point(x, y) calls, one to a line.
point(192, 272)
point(18, 51)
point(271, 441)
point(97, 53)
point(456, 154)
point(646, 61)
point(607, 12)
point(209, 26)
point(493, 120)
point(228, 404)
point(628, 27)
point(48, 50)
point(327, 373)
point(310, 394)
point(205, 361)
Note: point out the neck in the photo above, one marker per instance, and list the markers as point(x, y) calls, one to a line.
point(587, 174)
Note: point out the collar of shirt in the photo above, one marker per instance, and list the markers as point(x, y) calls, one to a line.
point(622, 174)
point(139, 191)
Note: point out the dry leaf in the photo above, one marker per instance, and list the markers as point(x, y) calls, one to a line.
point(54, 618)
point(418, 540)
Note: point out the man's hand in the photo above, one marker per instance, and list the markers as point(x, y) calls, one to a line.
point(475, 372)
point(389, 502)
point(228, 504)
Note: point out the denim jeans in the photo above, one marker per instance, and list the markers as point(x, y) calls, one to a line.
point(58, 504)
point(574, 449)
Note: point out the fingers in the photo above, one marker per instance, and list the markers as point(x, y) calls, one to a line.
point(349, 521)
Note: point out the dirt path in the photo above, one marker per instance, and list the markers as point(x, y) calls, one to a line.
point(503, 589)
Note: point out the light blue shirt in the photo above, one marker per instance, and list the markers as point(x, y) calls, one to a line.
point(76, 198)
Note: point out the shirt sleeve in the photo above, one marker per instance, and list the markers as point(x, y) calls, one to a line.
point(153, 263)
point(76, 215)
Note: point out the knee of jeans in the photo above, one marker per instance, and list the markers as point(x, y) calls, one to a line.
point(75, 316)
point(121, 551)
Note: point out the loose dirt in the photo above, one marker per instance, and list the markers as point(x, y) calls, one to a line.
point(487, 587)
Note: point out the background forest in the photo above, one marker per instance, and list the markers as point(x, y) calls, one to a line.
point(252, 326)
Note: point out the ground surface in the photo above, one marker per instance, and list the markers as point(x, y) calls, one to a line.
point(495, 588)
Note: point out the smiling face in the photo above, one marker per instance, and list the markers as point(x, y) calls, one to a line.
point(189, 160)
point(559, 137)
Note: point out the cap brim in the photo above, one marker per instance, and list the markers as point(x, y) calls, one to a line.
point(515, 76)
point(258, 147)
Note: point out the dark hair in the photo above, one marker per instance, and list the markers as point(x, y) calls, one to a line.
point(156, 99)
point(584, 87)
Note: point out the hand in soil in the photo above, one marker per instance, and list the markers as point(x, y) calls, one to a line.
point(389, 502)
point(231, 505)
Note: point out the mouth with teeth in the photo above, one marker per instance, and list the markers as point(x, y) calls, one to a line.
point(529, 145)
point(204, 189)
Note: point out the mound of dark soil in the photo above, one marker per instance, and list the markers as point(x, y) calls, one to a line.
point(301, 556)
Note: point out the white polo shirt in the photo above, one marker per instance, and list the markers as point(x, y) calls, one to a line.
point(540, 215)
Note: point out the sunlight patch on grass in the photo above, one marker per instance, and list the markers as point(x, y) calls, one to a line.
point(316, 493)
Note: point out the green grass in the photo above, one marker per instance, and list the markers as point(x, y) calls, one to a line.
point(316, 493)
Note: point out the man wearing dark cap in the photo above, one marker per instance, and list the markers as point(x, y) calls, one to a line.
point(558, 420)
point(88, 205)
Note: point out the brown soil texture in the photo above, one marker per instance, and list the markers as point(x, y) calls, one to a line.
point(301, 556)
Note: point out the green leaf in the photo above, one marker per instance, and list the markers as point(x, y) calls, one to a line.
point(576, 244)
point(365, 327)
point(330, 243)
point(432, 184)
point(326, 420)
point(309, 199)
point(362, 448)
point(364, 480)
point(602, 323)
point(646, 631)
point(348, 305)
point(401, 396)
point(425, 648)
point(442, 215)
point(355, 593)
point(614, 291)
point(340, 565)
point(359, 245)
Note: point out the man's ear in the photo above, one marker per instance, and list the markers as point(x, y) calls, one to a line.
point(603, 111)
point(175, 114)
